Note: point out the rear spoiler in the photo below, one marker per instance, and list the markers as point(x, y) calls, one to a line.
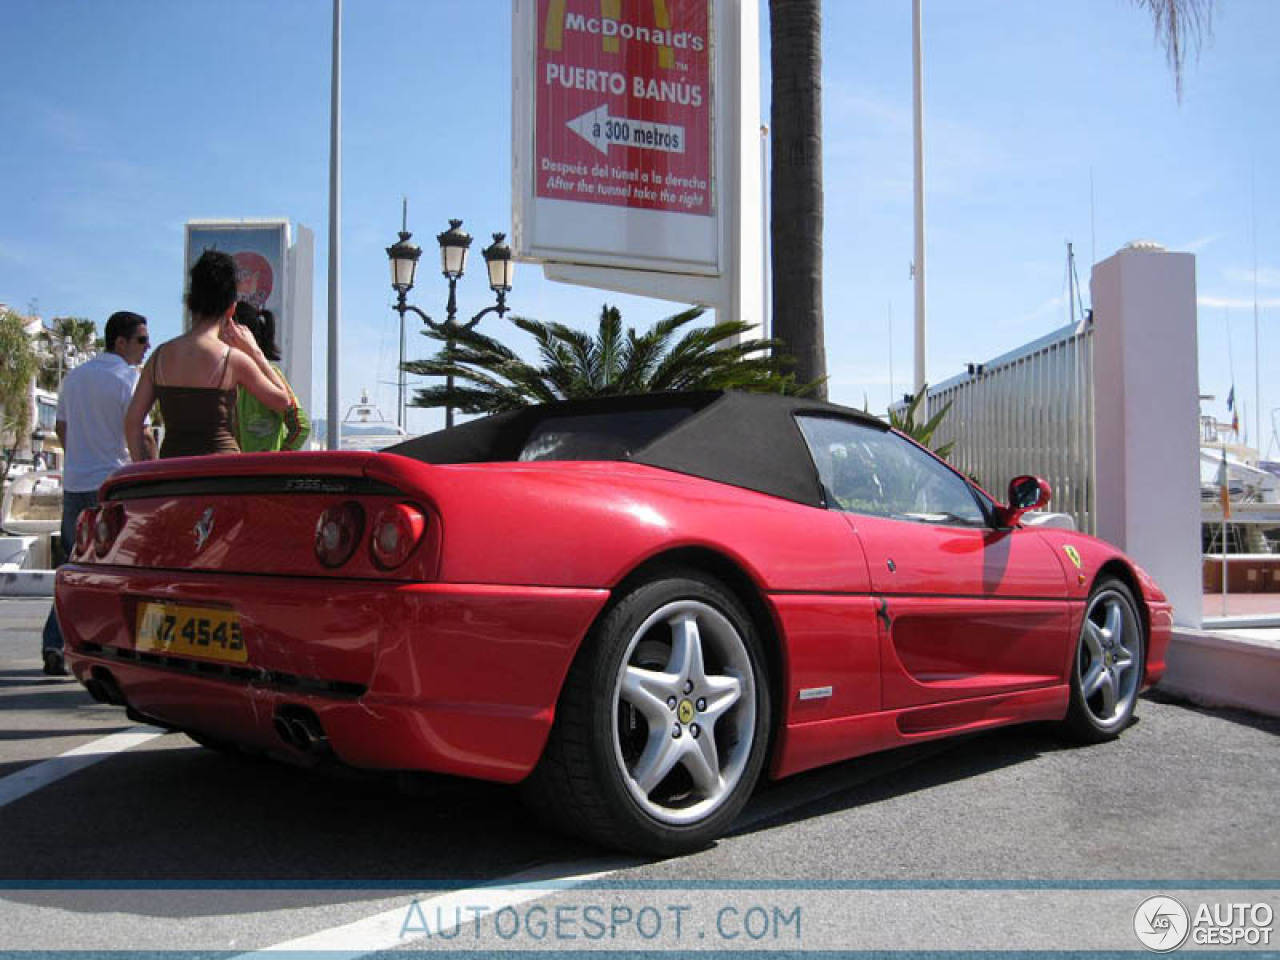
point(310, 471)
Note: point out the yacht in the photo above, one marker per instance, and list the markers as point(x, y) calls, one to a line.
point(366, 427)
point(30, 514)
point(1253, 489)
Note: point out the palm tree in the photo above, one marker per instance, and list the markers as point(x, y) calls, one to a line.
point(1179, 24)
point(67, 338)
point(921, 431)
point(795, 120)
point(490, 378)
point(18, 365)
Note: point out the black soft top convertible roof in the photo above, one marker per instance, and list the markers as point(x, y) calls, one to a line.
point(747, 440)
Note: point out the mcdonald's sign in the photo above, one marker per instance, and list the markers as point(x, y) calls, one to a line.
point(622, 103)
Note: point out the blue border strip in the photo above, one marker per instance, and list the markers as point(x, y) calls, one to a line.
point(403, 884)
point(628, 955)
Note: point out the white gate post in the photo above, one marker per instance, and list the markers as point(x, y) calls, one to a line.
point(1146, 438)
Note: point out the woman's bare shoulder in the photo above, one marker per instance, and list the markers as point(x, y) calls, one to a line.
point(189, 361)
point(240, 361)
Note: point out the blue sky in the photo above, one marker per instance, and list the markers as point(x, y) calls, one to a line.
point(121, 120)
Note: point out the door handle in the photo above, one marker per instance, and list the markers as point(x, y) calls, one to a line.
point(882, 611)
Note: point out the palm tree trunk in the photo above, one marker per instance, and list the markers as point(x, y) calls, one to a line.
point(795, 30)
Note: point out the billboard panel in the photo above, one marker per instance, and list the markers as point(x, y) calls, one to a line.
point(615, 136)
point(624, 104)
point(259, 248)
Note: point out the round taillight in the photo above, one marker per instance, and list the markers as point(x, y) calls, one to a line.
point(337, 532)
point(396, 532)
point(85, 523)
point(107, 526)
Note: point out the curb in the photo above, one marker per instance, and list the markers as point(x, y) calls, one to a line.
point(26, 583)
point(1215, 669)
point(1263, 620)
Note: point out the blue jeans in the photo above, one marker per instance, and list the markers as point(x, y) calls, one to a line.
point(73, 501)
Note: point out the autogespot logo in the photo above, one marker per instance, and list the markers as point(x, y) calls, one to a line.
point(1161, 923)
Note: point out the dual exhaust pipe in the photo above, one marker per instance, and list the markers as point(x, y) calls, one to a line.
point(300, 728)
point(297, 726)
point(102, 686)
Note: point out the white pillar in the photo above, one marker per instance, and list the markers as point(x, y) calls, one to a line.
point(1146, 437)
point(301, 320)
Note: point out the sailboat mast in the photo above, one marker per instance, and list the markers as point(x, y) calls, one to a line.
point(1071, 282)
point(1257, 370)
point(890, 354)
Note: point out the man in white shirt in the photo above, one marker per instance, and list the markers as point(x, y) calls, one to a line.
point(90, 425)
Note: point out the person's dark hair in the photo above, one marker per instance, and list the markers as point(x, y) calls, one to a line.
point(262, 324)
point(213, 284)
point(122, 323)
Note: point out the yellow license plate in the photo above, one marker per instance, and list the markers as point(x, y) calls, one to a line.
point(190, 631)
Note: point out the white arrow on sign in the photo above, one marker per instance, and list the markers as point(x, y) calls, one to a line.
point(603, 131)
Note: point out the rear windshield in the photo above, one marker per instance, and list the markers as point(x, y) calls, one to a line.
point(600, 436)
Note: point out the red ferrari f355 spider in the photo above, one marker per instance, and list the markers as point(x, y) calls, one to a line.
point(634, 606)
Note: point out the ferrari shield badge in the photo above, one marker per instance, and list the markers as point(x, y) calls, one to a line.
point(1073, 555)
point(204, 527)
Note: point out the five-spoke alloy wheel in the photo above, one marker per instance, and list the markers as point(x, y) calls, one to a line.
point(663, 723)
point(1106, 676)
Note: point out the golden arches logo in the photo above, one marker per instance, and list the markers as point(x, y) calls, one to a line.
point(610, 11)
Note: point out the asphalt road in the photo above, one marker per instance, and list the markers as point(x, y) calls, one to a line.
point(962, 844)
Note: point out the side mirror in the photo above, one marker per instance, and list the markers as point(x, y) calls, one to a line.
point(1025, 493)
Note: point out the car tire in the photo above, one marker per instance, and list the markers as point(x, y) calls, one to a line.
point(663, 723)
point(1107, 669)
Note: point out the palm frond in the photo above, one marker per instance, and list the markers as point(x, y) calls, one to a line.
point(489, 376)
point(1180, 25)
point(609, 347)
point(922, 433)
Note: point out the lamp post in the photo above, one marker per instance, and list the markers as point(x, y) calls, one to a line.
point(454, 244)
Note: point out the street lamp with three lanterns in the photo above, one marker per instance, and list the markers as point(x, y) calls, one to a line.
point(454, 244)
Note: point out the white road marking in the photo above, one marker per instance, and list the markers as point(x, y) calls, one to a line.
point(403, 925)
point(444, 914)
point(30, 779)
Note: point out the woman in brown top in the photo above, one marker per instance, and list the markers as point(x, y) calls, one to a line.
point(195, 376)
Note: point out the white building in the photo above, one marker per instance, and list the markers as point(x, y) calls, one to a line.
point(43, 404)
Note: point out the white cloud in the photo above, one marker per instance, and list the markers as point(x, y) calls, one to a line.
point(1267, 276)
point(1195, 246)
point(1054, 307)
point(14, 255)
point(867, 139)
point(1237, 303)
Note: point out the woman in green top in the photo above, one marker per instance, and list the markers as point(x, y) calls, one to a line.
point(258, 427)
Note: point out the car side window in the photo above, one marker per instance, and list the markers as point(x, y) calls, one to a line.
point(871, 471)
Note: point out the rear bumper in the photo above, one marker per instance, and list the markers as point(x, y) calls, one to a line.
point(452, 678)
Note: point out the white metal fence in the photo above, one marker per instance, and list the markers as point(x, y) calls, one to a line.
point(1029, 411)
